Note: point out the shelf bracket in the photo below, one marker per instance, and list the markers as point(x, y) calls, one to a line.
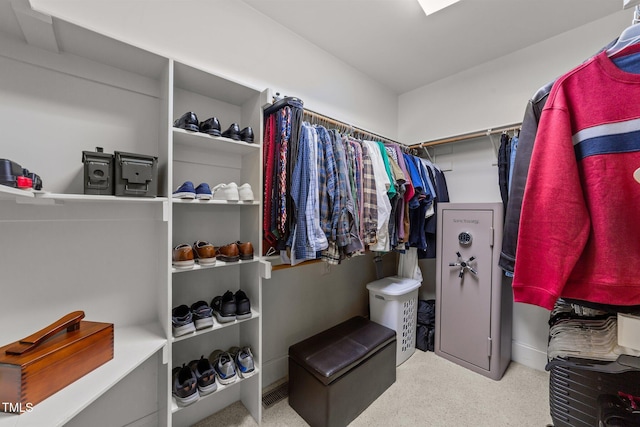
point(165, 211)
point(265, 269)
point(165, 354)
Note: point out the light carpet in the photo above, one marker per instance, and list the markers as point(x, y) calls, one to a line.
point(431, 391)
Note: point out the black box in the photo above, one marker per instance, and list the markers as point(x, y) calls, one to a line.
point(135, 175)
point(98, 172)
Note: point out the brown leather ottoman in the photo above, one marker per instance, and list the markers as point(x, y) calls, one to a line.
point(338, 373)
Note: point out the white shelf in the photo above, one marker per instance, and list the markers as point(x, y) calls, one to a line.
point(175, 408)
point(206, 141)
point(216, 327)
point(98, 198)
point(14, 193)
point(133, 345)
point(213, 202)
point(218, 264)
point(34, 196)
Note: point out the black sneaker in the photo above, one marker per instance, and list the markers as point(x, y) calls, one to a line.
point(224, 307)
point(184, 388)
point(182, 321)
point(205, 375)
point(243, 305)
point(202, 315)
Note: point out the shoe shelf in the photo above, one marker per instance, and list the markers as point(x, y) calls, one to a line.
point(218, 264)
point(216, 327)
point(221, 388)
point(202, 140)
point(214, 202)
point(133, 345)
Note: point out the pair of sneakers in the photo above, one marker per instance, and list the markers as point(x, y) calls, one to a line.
point(231, 192)
point(188, 191)
point(192, 381)
point(231, 364)
point(229, 306)
point(185, 319)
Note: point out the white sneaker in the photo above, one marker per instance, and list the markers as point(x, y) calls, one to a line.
point(228, 192)
point(246, 195)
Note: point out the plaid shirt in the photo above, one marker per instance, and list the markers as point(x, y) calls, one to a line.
point(326, 181)
point(300, 178)
point(357, 149)
point(369, 223)
point(342, 208)
point(317, 238)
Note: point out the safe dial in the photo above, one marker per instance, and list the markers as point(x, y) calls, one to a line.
point(465, 238)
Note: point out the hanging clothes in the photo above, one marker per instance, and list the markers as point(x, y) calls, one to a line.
point(382, 184)
point(281, 133)
point(526, 140)
point(504, 155)
point(586, 241)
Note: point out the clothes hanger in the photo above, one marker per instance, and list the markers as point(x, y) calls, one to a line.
point(630, 36)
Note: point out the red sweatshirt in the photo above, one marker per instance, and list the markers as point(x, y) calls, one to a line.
point(579, 231)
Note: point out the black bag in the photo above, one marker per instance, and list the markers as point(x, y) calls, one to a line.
point(425, 329)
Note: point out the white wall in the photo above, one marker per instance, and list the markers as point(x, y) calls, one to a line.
point(230, 39)
point(491, 95)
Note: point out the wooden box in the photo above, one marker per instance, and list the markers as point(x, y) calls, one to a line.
point(39, 365)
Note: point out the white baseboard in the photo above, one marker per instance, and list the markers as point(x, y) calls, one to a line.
point(528, 356)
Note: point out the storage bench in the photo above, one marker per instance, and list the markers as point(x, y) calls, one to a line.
point(338, 373)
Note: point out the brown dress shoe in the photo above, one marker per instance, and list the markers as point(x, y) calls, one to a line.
point(183, 256)
point(204, 252)
point(246, 250)
point(229, 253)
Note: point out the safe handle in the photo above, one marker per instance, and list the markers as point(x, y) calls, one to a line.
point(70, 322)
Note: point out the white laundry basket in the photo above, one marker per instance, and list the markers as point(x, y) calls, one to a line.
point(393, 302)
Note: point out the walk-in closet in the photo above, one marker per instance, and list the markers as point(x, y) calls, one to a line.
point(268, 212)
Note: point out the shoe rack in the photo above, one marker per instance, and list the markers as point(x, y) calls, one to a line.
point(199, 157)
point(71, 90)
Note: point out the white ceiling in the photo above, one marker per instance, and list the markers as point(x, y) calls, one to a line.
point(394, 43)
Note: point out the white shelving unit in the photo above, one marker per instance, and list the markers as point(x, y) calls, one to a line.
point(198, 158)
point(110, 256)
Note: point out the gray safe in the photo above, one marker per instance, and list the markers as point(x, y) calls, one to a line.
point(474, 302)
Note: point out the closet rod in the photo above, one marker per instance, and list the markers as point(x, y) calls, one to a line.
point(310, 114)
point(467, 136)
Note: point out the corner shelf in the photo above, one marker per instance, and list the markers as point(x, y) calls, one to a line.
point(133, 345)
